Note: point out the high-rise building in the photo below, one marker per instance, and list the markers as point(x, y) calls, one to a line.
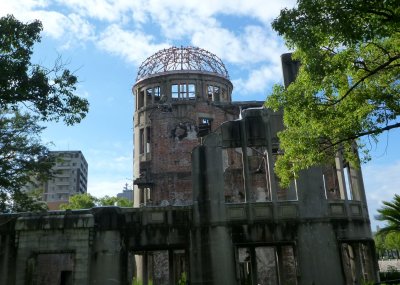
point(70, 173)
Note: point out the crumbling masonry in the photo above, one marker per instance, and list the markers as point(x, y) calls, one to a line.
point(208, 206)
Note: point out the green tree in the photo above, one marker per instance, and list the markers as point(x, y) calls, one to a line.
point(29, 93)
point(392, 241)
point(114, 201)
point(50, 93)
point(80, 201)
point(22, 158)
point(390, 213)
point(348, 84)
point(87, 201)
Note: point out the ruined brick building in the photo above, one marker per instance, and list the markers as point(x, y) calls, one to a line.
point(208, 206)
point(182, 95)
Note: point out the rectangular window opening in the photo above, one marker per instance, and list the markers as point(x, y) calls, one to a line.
point(346, 172)
point(191, 91)
point(157, 93)
point(213, 93)
point(140, 99)
point(183, 91)
point(148, 139)
point(141, 143)
point(204, 127)
point(175, 91)
point(331, 182)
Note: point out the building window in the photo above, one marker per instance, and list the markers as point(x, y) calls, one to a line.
point(141, 137)
point(191, 91)
point(213, 93)
point(183, 91)
point(140, 99)
point(204, 127)
point(149, 92)
point(148, 139)
point(175, 91)
point(157, 93)
point(224, 94)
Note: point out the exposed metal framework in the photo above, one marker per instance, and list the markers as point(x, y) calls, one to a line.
point(182, 58)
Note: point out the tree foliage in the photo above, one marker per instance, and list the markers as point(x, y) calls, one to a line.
point(50, 93)
point(390, 213)
point(80, 201)
point(348, 83)
point(29, 93)
point(87, 201)
point(22, 158)
point(115, 201)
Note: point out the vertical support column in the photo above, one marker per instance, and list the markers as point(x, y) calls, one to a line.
point(106, 263)
point(8, 258)
point(340, 176)
point(171, 267)
point(245, 161)
point(318, 255)
point(145, 271)
point(211, 249)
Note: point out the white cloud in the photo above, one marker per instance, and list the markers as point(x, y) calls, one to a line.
point(134, 46)
point(198, 21)
point(71, 28)
point(19, 8)
point(258, 80)
point(255, 44)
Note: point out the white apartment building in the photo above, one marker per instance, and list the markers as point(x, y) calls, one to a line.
point(70, 177)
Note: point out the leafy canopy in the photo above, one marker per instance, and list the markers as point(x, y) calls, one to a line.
point(29, 93)
point(22, 157)
point(48, 93)
point(390, 213)
point(348, 82)
point(87, 201)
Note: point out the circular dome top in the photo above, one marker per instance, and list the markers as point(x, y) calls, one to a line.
point(182, 58)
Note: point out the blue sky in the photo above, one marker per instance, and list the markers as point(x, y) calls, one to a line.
point(105, 41)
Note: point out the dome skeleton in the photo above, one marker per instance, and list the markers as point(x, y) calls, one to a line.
point(182, 58)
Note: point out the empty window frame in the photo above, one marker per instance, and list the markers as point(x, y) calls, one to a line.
point(283, 194)
point(141, 143)
point(204, 127)
point(157, 93)
point(183, 91)
point(272, 265)
point(145, 140)
point(149, 93)
point(213, 93)
point(153, 94)
point(145, 196)
point(331, 182)
point(224, 95)
point(148, 139)
point(140, 99)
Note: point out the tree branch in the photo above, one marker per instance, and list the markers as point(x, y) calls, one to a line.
point(371, 132)
point(362, 79)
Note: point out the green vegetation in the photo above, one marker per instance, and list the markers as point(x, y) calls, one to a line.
point(390, 213)
point(390, 241)
point(87, 201)
point(29, 93)
point(139, 282)
point(348, 84)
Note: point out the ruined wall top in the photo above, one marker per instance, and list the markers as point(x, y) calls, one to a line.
point(182, 59)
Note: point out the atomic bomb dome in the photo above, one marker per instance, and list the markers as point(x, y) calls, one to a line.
point(182, 59)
